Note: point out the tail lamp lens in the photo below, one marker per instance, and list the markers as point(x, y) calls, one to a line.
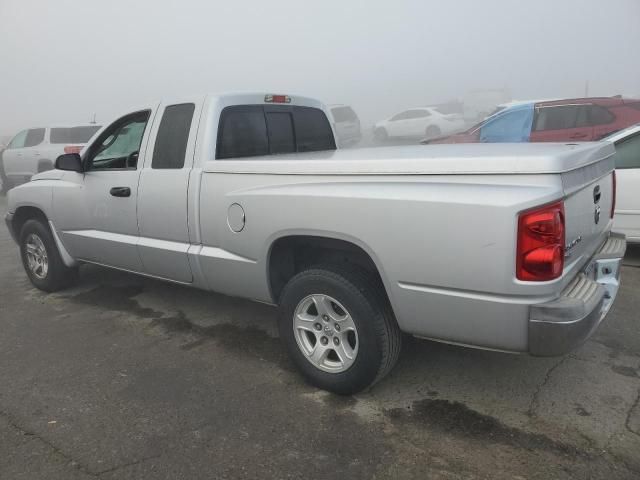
point(541, 240)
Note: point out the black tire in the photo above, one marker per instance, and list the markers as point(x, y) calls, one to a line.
point(433, 131)
point(58, 275)
point(381, 134)
point(379, 337)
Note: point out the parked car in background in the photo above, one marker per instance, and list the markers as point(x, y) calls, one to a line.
point(578, 119)
point(346, 125)
point(627, 212)
point(35, 150)
point(420, 122)
point(354, 245)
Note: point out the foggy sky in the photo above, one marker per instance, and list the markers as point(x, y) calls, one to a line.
point(63, 61)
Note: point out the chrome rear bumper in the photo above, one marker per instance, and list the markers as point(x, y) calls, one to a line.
point(559, 326)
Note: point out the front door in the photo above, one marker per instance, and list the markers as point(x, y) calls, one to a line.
point(96, 215)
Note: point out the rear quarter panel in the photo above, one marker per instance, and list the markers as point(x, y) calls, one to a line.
point(444, 245)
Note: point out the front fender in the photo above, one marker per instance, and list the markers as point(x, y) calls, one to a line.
point(31, 194)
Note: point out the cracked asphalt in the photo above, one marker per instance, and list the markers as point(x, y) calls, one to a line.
point(123, 377)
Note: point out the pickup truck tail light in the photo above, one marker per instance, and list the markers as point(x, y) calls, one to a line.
point(613, 193)
point(541, 241)
point(72, 149)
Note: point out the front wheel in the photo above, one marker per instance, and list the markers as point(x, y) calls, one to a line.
point(338, 328)
point(41, 259)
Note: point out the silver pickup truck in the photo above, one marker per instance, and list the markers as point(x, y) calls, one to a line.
point(504, 246)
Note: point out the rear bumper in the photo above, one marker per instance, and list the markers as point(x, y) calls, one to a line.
point(559, 326)
point(8, 218)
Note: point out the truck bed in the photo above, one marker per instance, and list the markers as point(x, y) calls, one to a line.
point(427, 159)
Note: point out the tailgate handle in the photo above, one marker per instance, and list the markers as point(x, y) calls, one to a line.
point(120, 191)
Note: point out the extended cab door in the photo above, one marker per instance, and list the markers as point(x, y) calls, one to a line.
point(562, 123)
point(95, 211)
point(627, 216)
point(164, 185)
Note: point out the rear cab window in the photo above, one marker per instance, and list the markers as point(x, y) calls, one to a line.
point(259, 130)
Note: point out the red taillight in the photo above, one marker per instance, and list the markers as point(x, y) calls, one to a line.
point(72, 149)
point(541, 240)
point(613, 199)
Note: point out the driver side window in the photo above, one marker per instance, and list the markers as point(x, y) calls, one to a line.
point(118, 147)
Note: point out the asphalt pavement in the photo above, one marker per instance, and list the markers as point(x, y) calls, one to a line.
point(123, 377)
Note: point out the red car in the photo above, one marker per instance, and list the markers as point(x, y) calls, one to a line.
point(578, 119)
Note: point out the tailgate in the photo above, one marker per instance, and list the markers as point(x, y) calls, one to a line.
point(589, 196)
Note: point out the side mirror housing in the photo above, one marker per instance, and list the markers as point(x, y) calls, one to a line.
point(70, 162)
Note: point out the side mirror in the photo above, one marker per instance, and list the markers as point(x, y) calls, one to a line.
point(70, 162)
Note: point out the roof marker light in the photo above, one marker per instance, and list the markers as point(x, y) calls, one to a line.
point(277, 99)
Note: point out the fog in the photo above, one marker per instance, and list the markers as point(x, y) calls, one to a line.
point(64, 61)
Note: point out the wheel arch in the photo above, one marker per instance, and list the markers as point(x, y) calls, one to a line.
point(24, 213)
point(291, 252)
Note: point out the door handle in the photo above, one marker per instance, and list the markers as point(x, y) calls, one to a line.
point(120, 192)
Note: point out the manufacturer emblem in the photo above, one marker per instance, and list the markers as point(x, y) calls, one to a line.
point(596, 200)
point(328, 331)
point(569, 246)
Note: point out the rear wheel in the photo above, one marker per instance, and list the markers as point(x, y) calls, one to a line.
point(433, 131)
point(41, 258)
point(338, 328)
